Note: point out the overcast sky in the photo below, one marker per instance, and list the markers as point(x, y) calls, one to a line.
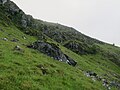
point(96, 18)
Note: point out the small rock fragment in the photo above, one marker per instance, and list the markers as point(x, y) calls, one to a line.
point(5, 39)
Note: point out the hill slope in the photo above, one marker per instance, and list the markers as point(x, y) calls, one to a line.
point(23, 67)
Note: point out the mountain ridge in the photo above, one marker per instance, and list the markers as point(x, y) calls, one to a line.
point(27, 19)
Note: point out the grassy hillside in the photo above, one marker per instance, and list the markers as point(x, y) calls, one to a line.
point(23, 68)
point(19, 69)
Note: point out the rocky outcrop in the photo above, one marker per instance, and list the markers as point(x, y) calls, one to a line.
point(13, 8)
point(14, 13)
point(81, 48)
point(3, 1)
point(53, 51)
point(105, 82)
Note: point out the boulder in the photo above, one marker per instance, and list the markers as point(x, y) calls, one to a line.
point(70, 61)
point(52, 50)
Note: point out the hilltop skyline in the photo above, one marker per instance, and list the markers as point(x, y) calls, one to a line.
point(96, 18)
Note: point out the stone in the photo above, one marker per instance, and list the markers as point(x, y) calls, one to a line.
point(17, 47)
point(116, 84)
point(23, 37)
point(87, 74)
point(5, 39)
point(43, 69)
point(90, 73)
point(70, 61)
point(109, 88)
point(94, 79)
point(99, 78)
point(14, 40)
point(105, 82)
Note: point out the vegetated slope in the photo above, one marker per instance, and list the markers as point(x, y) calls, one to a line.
point(22, 68)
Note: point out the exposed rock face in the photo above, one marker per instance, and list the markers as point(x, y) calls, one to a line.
point(52, 50)
point(16, 14)
point(24, 23)
point(81, 48)
point(3, 1)
point(13, 8)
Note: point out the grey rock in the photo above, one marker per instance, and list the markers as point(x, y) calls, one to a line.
point(24, 23)
point(43, 69)
point(17, 48)
point(90, 73)
point(13, 8)
point(3, 1)
point(52, 50)
point(14, 40)
point(5, 39)
point(115, 84)
point(23, 37)
point(94, 79)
